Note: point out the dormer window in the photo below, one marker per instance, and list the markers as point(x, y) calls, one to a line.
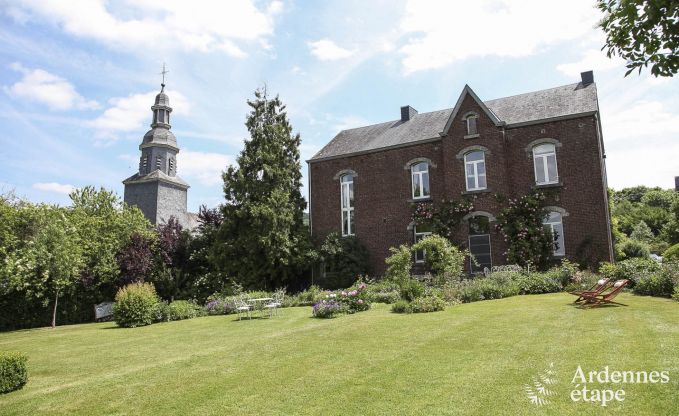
point(470, 123)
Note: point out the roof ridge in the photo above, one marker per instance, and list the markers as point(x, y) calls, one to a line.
point(396, 120)
point(533, 92)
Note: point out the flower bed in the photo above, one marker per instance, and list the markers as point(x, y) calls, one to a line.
point(345, 301)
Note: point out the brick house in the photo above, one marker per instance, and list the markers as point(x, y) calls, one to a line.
point(366, 180)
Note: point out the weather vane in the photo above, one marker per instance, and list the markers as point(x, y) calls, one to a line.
point(163, 73)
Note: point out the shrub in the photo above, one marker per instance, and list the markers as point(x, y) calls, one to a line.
point(444, 259)
point(162, 312)
point(13, 371)
point(632, 269)
point(496, 286)
point(402, 306)
point(565, 273)
point(427, 304)
point(536, 283)
point(136, 305)
point(411, 289)
point(183, 309)
point(635, 249)
point(400, 263)
point(327, 309)
point(675, 296)
point(384, 291)
point(308, 297)
point(582, 280)
point(389, 297)
point(671, 253)
point(354, 300)
point(220, 306)
point(343, 258)
point(660, 284)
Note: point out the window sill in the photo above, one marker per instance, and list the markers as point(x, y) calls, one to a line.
point(477, 191)
point(548, 185)
point(416, 200)
point(472, 136)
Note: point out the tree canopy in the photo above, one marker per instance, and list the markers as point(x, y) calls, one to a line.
point(262, 241)
point(643, 32)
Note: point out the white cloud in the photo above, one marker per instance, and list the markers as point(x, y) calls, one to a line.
point(440, 33)
point(327, 50)
point(204, 167)
point(642, 141)
point(133, 113)
point(202, 25)
point(54, 187)
point(593, 59)
point(51, 90)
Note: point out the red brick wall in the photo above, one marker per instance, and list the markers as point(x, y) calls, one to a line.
point(383, 198)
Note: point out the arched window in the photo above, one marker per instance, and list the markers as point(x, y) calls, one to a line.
point(421, 231)
point(544, 160)
point(479, 242)
point(419, 173)
point(553, 222)
point(470, 124)
point(475, 170)
point(347, 203)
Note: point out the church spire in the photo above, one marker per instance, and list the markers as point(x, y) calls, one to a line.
point(161, 108)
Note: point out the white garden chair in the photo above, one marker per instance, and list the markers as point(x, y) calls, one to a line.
point(243, 308)
point(275, 304)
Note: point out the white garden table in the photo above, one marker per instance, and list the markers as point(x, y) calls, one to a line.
point(258, 304)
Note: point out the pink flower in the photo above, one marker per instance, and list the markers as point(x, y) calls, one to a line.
point(360, 301)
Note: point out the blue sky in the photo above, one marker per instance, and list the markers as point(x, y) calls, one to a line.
point(77, 79)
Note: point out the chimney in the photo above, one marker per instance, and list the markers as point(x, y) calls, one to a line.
point(407, 112)
point(587, 78)
point(676, 183)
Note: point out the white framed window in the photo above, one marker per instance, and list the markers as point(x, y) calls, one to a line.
point(475, 170)
point(479, 243)
point(421, 231)
point(470, 123)
point(347, 203)
point(544, 160)
point(419, 174)
point(553, 222)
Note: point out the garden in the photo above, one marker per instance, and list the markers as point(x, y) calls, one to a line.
point(473, 358)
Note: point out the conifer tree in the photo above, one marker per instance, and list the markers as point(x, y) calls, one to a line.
point(262, 241)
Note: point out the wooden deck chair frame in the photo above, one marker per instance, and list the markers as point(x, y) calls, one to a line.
point(607, 298)
point(599, 287)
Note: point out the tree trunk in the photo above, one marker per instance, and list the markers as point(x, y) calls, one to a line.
point(54, 311)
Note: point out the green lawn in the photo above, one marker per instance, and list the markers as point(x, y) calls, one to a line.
point(471, 359)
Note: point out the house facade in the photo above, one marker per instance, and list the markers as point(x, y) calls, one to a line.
point(366, 181)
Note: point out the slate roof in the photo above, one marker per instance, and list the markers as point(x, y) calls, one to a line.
point(563, 101)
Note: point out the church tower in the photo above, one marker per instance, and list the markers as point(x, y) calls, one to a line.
point(156, 189)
